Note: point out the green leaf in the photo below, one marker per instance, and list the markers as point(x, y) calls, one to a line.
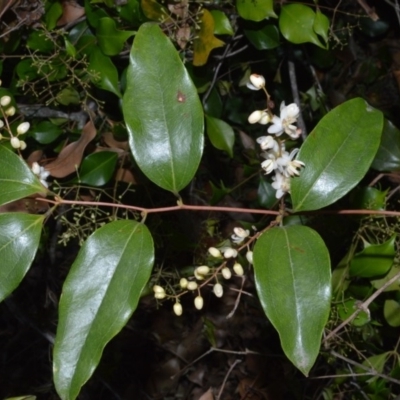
point(368, 198)
point(98, 168)
point(220, 134)
point(162, 111)
point(266, 38)
point(104, 71)
point(321, 25)
point(19, 240)
point(16, 179)
point(391, 311)
point(111, 40)
point(395, 286)
point(337, 154)
point(374, 260)
point(53, 13)
point(266, 194)
point(37, 40)
point(68, 96)
point(222, 26)
point(255, 10)
point(388, 156)
point(296, 23)
point(348, 308)
point(293, 281)
point(45, 132)
point(100, 294)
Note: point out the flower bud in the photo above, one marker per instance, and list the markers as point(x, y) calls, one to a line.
point(36, 170)
point(183, 283)
point(265, 119)
point(200, 272)
point(156, 288)
point(218, 290)
point(160, 295)
point(178, 309)
point(15, 142)
point(258, 81)
point(192, 285)
point(10, 111)
point(199, 302)
point(23, 128)
point(22, 145)
point(249, 256)
point(238, 269)
point(255, 116)
point(241, 232)
point(226, 273)
point(1, 136)
point(5, 101)
point(215, 252)
point(230, 253)
point(1, 123)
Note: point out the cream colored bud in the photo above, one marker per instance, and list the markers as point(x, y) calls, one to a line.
point(218, 290)
point(200, 272)
point(5, 101)
point(238, 269)
point(1, 136)
point(15, 142)
point(160, 295)
point(215, 252)
point(23, 128)
point(265, 119)
point(192, 285)
point(249, 256)
point(156, 288)
point(183, 283)
point(10, 111)
point(241, 232)
point(258, 81)
point(36, 170)
point(226, 273)
point(1, 123)
point(22, 145)
point(230, 253)
point(178, 310)
point(255, 116)
point(199, 302)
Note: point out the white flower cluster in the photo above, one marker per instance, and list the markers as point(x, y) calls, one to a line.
point(277, 159)
point(41, 173)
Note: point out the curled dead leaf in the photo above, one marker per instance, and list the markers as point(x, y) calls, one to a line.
point(71, 12)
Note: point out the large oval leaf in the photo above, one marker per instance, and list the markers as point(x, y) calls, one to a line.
point(162, 111)
point(337, 154)
point(388, 156)
point(293, 280)
point(19, 240)
point(99, 295)
point(16, 179)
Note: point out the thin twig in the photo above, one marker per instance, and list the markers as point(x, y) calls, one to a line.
point(226, 378)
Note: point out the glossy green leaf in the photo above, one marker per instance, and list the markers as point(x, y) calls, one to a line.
point(374, 260)
point(337, 154)
point(94, 14)
point(388, 156)
point(162, 111)
point(296, 23)
point(53, 13)
point(321, 25)
point(395, 286)
point(391, 311)
point(368, 198)
point(16, 179)
point(45, 132)
point(222, 26)
point(68, 96)
point(221, 134)
point(105, 74)
point(293, 281)
point(69, 48)
point(19, 240)
point(348, 308)
point(26, 70)
point(266, 38)
point(37, 40)
point(111, 40)
point(98, 168)
point(255, 10)
point(100, 294)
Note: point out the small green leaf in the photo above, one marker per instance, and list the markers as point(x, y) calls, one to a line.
point(53, 13)
point(388, 156)
point(296, 23)
point(105, 74)
point(255, 10)
point(162, 111)
point(337, 154)
point(321, 25)
point(19, 240)
point(26, 70)
point(368, 198)
point(69, 48)
point(266, 38)
point(68, 96)
point(391, 311)
point(293, 281)
point(98, 168)
point(222, 26)
point(220, 134)
point(16, 179)
point(100, 294)
point(111, 40)
point(45, 132)
point(37, 40)
point(374, 260)
point(348, 308)
point(395, 286)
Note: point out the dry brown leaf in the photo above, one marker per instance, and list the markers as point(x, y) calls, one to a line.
point(110, 141)
point(71, 12)
point(70, 156)
point(182, 36)
point(207, 395)
point(27, 205)
point(35, 156)
point(125, 175)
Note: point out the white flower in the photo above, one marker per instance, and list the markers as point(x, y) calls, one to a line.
point(23, 128)
point(239, 235)
point(287, 166)
point(281, 184)
point(268, 142)
point(284, 123)
point(42, 174)
point(257, 82)
point(5, 101)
